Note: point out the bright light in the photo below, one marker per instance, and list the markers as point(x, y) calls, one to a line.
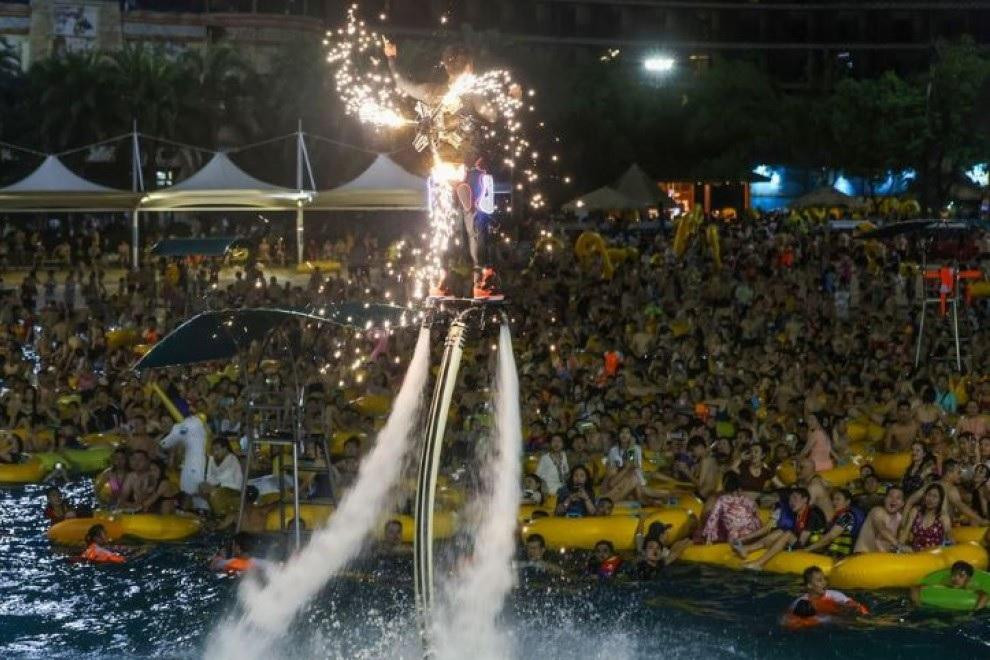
point(659, 64)
point(978, 174)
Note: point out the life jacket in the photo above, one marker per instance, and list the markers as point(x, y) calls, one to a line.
point(609, 567)
point(237, 564)
point(844, 543)
point(792, 621)
point(98, 555)
point(825, 605)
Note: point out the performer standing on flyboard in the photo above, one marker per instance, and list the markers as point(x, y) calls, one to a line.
point(449, 128)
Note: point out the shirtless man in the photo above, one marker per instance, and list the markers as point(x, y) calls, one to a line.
point(704, 473)
point(139, 440)
point(902, 432)
point(817, 487)
point(879, 531)
point(139, 483)
point(957, 508)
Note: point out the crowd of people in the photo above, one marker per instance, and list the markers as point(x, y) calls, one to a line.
point(676, 370)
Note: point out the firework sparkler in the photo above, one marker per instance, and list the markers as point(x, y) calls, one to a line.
point(369, 92)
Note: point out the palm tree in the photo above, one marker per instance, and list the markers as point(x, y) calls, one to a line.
point(11, 83)
point(71, 101)
point(146, 82)
point(216, 95)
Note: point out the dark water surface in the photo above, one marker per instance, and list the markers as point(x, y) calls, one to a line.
point(166, 602)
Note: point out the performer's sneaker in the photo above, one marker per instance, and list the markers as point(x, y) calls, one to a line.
point(439, 292)
point(487, 287)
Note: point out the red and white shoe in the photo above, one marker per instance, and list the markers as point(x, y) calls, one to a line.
point(487, 287)
point(439, 289)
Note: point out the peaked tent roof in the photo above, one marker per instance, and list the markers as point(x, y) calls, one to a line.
point(53, 186)
point(53, 176)
point(639, 186)
point(221, 183)
point(605, 198)
point(824, 196)
point(384, 185)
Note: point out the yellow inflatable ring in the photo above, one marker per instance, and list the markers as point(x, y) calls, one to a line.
point(142, 526)
point(721, 554)
point(312, 516)
point(372, 405)
point(122, 337)
point(583, 533)
point(881, 570)
point(891, 467)
point(31, 471)
point(969, 534)
point(444, 526)
point(837, 477)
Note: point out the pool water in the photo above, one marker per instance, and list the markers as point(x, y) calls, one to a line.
point(165, 603)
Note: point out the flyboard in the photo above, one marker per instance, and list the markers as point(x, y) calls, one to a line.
point(463, 317)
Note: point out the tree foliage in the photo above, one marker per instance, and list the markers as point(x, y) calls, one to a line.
point(720, 121)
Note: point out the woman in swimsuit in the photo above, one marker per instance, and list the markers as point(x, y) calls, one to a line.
point(164, 498)
point(114, 475)
point(928, 525)
point(922, 465)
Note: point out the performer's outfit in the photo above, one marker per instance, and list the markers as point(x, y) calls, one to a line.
point(452, 138)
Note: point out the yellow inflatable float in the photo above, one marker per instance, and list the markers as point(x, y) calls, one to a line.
point(372, 405)
point(721, 554)
point(969, 534)
point(884, 570)
point(859, 430)
point(30, 471)
point(838, 477)
point(122, 337)
point(584, 533)
point(141, 526)
point(312, 516)
point(891, 467)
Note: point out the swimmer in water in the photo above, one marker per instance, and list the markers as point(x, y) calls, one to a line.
point(959, 576)
point(820, 605)
point(234, 558)
point(96, 537)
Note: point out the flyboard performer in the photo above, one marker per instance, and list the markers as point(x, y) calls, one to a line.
point(462, 191)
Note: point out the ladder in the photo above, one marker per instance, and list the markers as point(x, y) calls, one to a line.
point(942, 290)
point(276, 421)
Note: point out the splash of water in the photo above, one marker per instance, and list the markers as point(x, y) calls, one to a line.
point(468, 625)
point(268, 610)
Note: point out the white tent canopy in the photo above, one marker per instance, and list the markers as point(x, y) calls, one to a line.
point(640, 187)
point(222, 184)
point(52, 176)
point(605, 198)
point(383, 186)
point(53, 186)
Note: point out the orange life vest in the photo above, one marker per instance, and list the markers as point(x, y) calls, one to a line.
point(98, 555)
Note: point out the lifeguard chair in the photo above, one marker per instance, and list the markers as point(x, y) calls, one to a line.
point(945, 287)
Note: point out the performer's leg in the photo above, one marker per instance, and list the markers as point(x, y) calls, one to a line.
point(468, 216)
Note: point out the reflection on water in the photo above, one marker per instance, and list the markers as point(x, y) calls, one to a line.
point(166, 602)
